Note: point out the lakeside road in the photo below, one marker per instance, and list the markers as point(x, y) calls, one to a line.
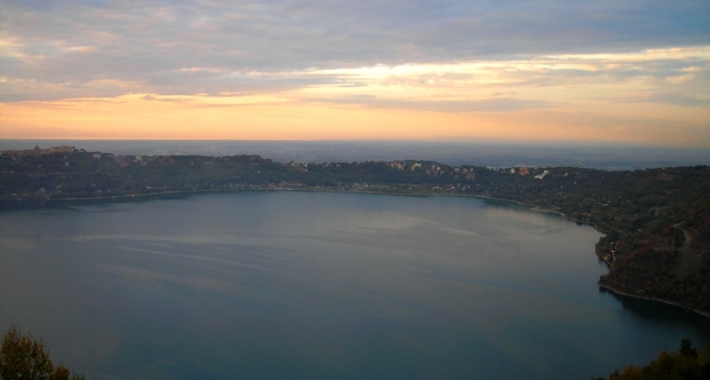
point(686, 234)
point(624, 294)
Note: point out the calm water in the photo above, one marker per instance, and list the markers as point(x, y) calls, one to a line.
point(317, 285)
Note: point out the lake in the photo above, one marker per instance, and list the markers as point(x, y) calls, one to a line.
point(267, 285)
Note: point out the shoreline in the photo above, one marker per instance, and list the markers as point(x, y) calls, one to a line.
point(541, 209)
point(483, 197)
point(140, 195)
point(624, 294)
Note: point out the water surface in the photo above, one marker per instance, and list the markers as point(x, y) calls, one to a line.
point(319, 285)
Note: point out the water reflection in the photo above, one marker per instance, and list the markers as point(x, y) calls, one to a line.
point(272, 285)
point(663, 315)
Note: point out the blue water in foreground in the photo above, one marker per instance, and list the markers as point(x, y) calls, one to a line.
point(322, 285)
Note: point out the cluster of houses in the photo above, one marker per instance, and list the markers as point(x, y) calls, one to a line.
point(610, 255)
point(523, 171)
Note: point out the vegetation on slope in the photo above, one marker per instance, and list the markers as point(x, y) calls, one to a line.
point(686, 364)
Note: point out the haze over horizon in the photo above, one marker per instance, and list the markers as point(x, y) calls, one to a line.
point(631, 72)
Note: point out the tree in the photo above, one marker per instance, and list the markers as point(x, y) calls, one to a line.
point(23, 357)
point(686, 364)
point(687, 349)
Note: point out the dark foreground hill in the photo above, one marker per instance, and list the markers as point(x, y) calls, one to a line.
point(657, 221)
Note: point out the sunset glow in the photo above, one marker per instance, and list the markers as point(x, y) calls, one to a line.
point(127, 73)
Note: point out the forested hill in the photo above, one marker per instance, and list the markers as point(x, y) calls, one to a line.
point(657, 221)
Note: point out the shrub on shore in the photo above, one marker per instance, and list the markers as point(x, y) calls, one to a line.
point(23, 357)
point(686, 364)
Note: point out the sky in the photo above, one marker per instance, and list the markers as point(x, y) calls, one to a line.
point(504, 70)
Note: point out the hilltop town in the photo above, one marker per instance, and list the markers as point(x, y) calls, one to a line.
point(656, 221)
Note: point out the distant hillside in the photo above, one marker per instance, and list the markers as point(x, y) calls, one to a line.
point(605, 156)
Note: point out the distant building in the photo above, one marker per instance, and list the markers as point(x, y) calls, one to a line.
point(54, 149)
point(544, 173)
point(60, 149)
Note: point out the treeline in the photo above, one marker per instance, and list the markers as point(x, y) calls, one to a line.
point(686, 364)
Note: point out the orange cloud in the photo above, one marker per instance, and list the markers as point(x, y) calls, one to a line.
point(279, 117)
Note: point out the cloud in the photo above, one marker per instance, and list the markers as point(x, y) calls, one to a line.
point(483, 105)
point(678, 99)
point(82, 41)
point(672, 76)
point(605, 58)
